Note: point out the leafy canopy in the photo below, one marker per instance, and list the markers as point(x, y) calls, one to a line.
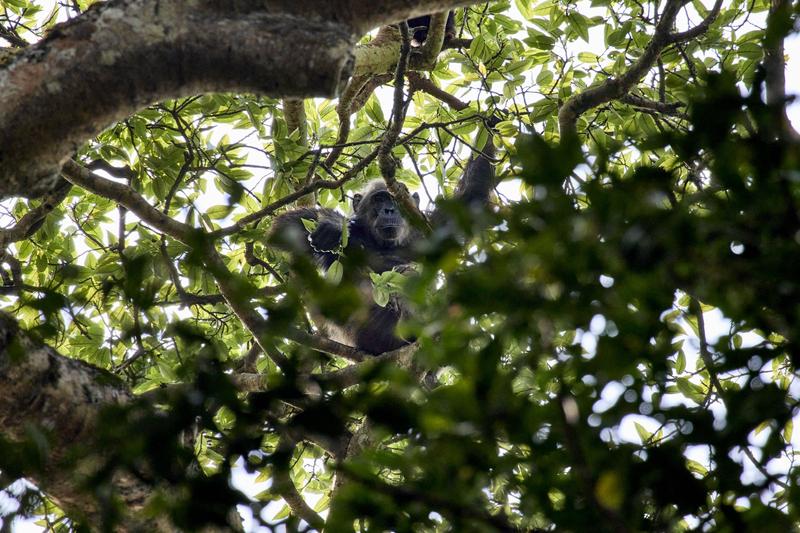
point(614, 344)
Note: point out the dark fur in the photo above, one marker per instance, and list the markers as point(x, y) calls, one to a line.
point(377, 228)
point(423, 23)
point(385, 252)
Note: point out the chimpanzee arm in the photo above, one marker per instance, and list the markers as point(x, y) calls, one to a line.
point(478, 180)
point(290, 233)
point(475, 185)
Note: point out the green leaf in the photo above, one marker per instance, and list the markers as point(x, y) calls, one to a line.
point(285, 512)
point(374, 110)
point(539, 40)
point(219, 211)
point(381, 295)
point(680, 362)
point(691, 390)
point(335, 272)
point(643, 432)
point(696, 467)
point(525, 8)
point(580, 24)
point(15, 4)
point(542, 110)
point(309, 225)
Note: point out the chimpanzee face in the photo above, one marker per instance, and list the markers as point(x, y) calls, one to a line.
point(383, 218)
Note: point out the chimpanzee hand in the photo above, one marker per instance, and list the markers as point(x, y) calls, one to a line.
point(326, 237)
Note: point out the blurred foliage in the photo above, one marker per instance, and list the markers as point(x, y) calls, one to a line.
point(614, 344)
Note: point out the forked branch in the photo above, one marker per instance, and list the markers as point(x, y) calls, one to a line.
point(617, 87)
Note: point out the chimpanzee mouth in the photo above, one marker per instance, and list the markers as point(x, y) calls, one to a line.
point(390, 231)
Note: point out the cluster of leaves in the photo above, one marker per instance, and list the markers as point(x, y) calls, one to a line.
point(579, 384)
point(568, 297)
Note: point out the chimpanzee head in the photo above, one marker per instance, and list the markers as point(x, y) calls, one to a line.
point(376, 210)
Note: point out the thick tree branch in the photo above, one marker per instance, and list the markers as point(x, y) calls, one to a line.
point(775, 70)
point(294, 113)
point(12, 38)
point(378, 55)
point(352, 375)
point(124, 195)
point(47, 391)
point(432, 46)
point(324, 344)
point(62, 91)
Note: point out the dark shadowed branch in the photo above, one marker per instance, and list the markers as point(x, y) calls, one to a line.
point(31, 221)
point(283, 485)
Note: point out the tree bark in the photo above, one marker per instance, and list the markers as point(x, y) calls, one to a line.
point(50, 395)
point(122, 55)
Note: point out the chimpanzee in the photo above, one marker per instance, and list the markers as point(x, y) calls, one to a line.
point(419, 26)
point(377, 229)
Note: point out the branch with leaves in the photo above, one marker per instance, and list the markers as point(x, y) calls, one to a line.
point(234, 290)
point(617, 87)
point(385, 159)
point(248, 49)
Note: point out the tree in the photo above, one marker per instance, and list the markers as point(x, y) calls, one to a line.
point(611, 347)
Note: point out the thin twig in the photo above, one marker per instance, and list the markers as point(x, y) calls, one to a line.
point(705, 355)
